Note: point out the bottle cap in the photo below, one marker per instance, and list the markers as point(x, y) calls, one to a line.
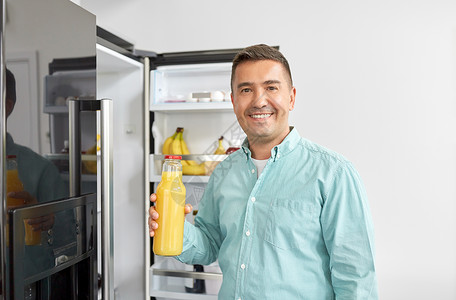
point(173, 157)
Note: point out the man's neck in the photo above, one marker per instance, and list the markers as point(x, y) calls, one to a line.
point(262, 149)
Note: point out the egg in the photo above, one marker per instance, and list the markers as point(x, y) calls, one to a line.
point(217, 96)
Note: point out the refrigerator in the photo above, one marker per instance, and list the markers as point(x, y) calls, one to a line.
point(99, 110)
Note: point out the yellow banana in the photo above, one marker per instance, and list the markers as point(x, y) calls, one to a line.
point(185, 151)
point(176, 145)
point(220, 149)
point(194, 169)
point(167, 143)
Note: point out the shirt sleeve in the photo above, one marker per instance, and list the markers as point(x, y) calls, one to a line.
point(202, 241)
point(348, 233)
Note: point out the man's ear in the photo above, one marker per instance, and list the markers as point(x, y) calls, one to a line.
point(292, 99)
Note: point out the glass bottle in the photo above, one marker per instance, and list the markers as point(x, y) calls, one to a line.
point(13, 182)
point(169, 235)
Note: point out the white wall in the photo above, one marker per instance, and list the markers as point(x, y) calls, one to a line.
point(375, 81)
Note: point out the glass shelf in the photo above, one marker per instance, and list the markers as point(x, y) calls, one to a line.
point(191, 106)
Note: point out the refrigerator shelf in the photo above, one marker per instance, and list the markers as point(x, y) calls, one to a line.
point(191, 106)
point(84, 177)
point(157, 159)
point(196, 157)
point(178, 292)
point(65, 156)
point(187, 274)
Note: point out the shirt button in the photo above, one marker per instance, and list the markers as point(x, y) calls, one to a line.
point(278, 155)
point(253, 171)
point(242, 266)
point(247, 233)
point(253, 199)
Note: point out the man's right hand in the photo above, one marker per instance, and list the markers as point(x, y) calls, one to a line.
point(153, 214)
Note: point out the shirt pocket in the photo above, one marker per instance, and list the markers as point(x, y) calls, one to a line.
point(289, 223)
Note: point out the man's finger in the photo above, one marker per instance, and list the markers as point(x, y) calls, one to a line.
point(153, 197)
point(188, 208)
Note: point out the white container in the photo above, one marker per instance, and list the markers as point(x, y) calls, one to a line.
point(217, 96)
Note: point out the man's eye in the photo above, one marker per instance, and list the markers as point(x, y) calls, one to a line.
point(246, 90)
point(272, 88)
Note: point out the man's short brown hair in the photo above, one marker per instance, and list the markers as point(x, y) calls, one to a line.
point(257, 53)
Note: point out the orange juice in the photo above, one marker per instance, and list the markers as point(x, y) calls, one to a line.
point(32, 237)
point(170, 204)
point(13, 184)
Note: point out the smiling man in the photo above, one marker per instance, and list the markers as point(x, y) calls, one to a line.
point(285, 217)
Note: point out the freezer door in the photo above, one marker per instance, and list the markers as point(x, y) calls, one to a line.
point(38, 39)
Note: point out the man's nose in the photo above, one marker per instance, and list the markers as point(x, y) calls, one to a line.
point(261, 99)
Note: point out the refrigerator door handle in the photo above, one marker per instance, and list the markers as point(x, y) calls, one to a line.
point(107, 233)
point(104, 176)
point(74, 142)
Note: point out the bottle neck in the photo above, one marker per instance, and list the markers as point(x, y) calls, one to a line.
point(11, 164)
point(172, 168)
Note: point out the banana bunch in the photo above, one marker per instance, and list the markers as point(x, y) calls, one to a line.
point(176, 145)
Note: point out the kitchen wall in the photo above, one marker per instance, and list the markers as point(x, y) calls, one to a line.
point(376, 81)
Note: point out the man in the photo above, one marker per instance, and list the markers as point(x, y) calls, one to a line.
point(286, 218)
point(42, 183)
point(40, 177)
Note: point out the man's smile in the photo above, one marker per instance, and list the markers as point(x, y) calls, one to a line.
point(260, 116)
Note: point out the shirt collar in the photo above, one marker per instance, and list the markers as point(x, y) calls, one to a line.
point(278, 151)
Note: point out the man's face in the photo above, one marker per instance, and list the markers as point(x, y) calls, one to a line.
point(262, 98)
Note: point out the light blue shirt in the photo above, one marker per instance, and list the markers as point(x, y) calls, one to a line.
point(302, 230)
point(40, 177)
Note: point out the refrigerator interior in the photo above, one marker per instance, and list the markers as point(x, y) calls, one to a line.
point(188, 96)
